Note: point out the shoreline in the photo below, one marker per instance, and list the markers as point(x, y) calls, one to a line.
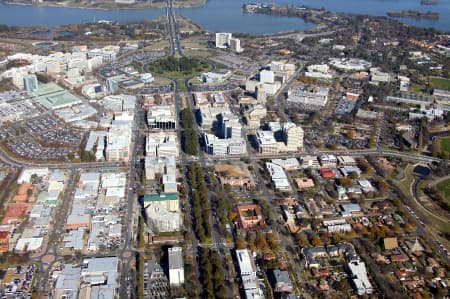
point(118, 6)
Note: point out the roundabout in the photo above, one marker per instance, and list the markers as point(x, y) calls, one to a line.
point(45, 44)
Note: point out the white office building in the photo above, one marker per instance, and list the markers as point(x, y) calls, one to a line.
point(279, 177)
point(230, 126)
point(176, 268)
point(359, 278)
point(266, 76)
point(235, 45)
point(328, 160)
point(162, 144)
point(163, 220)
point(293, 136)
point(247, 270)
point(30, 82)
point(223, 147)
point(223, 40)
point(162, 117)
point(310, 96)
point(246, 262)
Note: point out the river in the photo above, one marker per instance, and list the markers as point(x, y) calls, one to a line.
point(223, 15)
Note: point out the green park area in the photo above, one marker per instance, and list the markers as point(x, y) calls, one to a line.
point(444, 189)
point(178, 68)
point(444, 144)
point(440, 83)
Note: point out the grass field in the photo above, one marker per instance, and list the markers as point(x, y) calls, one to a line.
point(198, 53)
point(160, 81)
point(444, 187)
point(162, 44)
point(440, 83)
point(416, 88)
point(444, 144)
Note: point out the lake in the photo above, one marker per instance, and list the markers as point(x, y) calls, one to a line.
point(222, 15)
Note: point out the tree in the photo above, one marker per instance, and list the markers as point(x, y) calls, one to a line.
point(396, 228)
point(302, 240)
point(351, 134)
point(261, 243)
point(240, 243)
point(372, 142)
point(336, 238)
point(19, 131)
point(409, 226)
point(315, 240)
point(397, 203)
point(190, 142)
point(272, 241)
point(382, 185)
point(368, 171)
point(345, 181)
point(251, 241)
point(232, 215)
point(223, 208)
point(141, 239)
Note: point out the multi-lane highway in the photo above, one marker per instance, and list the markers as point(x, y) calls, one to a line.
point(173, 29)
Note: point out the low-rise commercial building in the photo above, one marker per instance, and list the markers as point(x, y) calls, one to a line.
point(281, 283)
point(278, 177)
point(162, 117)
point(249, 217)
point(162, 144)
point(222, 147)
point(328, 160)
point(359, 278)
point(313, 96)
point(247, 271)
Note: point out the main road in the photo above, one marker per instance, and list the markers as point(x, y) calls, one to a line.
point(175, 47)
point(173, 29)
point(127, 250)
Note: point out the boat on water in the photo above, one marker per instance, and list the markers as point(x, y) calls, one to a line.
point(429, 2)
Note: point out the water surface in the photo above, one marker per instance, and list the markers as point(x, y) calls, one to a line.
point(223, 15)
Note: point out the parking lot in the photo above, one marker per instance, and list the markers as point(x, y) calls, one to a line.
point(156, 284)
point(31, 149)
point(146, 56)
point(209, 88)
point(349, 143)
point(246, 66)
point(304, 107)
point(109, 70)
point(6, 132)
point(156, 89)
point(40, 124)
point(65, 136)
point(17, 281)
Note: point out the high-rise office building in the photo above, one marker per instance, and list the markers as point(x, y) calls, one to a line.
point(112, 86)
point(223, 40)
point(267, 76)
point(30, 82)
point(230, 127)
point(235, 45)
point(261, 95)
point(293, 136)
